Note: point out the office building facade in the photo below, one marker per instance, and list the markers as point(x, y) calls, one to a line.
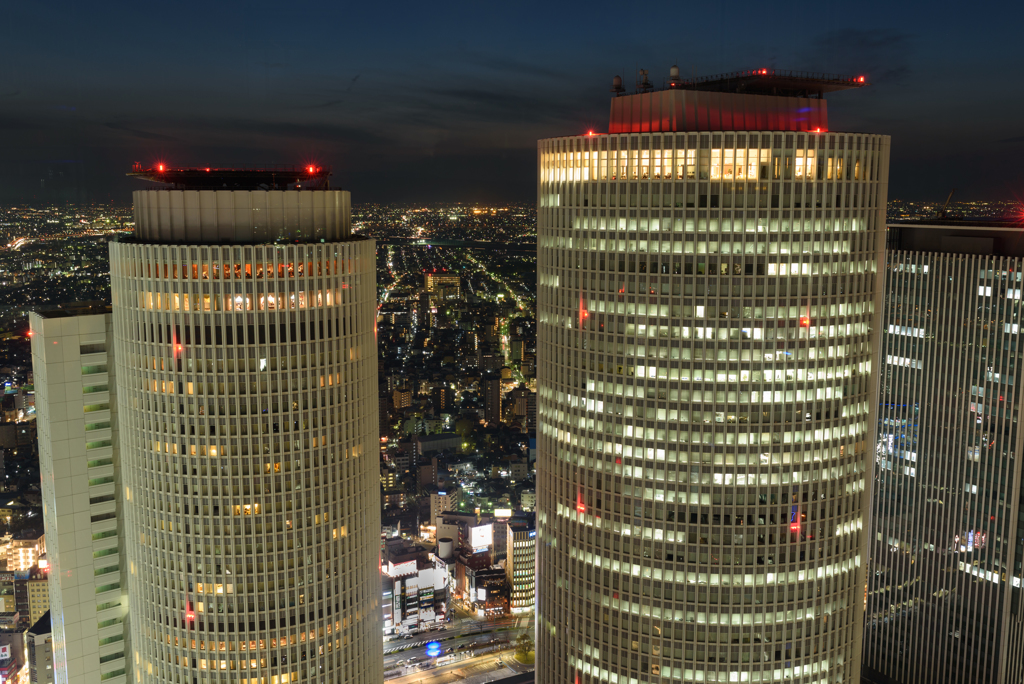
point(491, 386)
point(947, 539)
point(520, 564)
point(442, 286)
point(246, 357)
point(39, 644)
point(707, 316)
point(77, 412)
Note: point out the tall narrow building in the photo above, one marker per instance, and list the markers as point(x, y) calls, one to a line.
point(79, 468)
point(246, 361)
point(708, 310)
point(947, 532)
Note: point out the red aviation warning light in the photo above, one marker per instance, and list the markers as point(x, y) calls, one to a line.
point(160, 168)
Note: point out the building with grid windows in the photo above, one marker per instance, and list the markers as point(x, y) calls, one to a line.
point(77, 412)
point(947, 538)
point(707, 310)
point(39, 644)
point(520, 564)
point(243, 326)
point(442, 285)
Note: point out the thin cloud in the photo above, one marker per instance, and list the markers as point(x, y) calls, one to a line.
point(143, 135)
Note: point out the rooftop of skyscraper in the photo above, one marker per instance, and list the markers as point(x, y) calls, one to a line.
point(261, 204)
point(998, 237)
point(246, 177)
point(755, 100)
point(777, 82)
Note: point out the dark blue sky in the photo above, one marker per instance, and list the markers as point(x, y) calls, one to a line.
point(445, 101)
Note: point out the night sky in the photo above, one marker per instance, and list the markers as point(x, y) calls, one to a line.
point(445, 102)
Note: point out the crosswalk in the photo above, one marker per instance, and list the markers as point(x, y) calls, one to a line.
point(403, 646)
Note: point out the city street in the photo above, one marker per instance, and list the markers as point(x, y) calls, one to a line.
point(464, 633)
point(484, 668)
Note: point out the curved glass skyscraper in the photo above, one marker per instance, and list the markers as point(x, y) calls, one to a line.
point(246, 365)
point(708, 310)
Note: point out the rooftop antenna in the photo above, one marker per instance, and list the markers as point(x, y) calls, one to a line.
point(617, 86)
point(644, 84)
point(673, 77)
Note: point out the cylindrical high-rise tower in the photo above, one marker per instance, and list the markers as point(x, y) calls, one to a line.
point(708, 307)
point(246, 362)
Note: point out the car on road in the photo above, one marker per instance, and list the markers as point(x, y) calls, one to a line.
point(450, 650)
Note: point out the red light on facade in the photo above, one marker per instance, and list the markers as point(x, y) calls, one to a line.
point(794, 527)
point(805, 321)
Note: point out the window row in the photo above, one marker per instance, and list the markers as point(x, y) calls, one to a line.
point(709, 164)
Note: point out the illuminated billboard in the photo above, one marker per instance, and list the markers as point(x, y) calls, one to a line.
point(502, 512)
point(481, 537)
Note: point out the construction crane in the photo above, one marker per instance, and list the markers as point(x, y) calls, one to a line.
point(941, 213)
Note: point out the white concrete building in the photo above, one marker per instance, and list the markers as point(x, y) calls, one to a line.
point(246, 355)
point(418, 591)
point(443, 501)
point(708, 308)
point(76, 404)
